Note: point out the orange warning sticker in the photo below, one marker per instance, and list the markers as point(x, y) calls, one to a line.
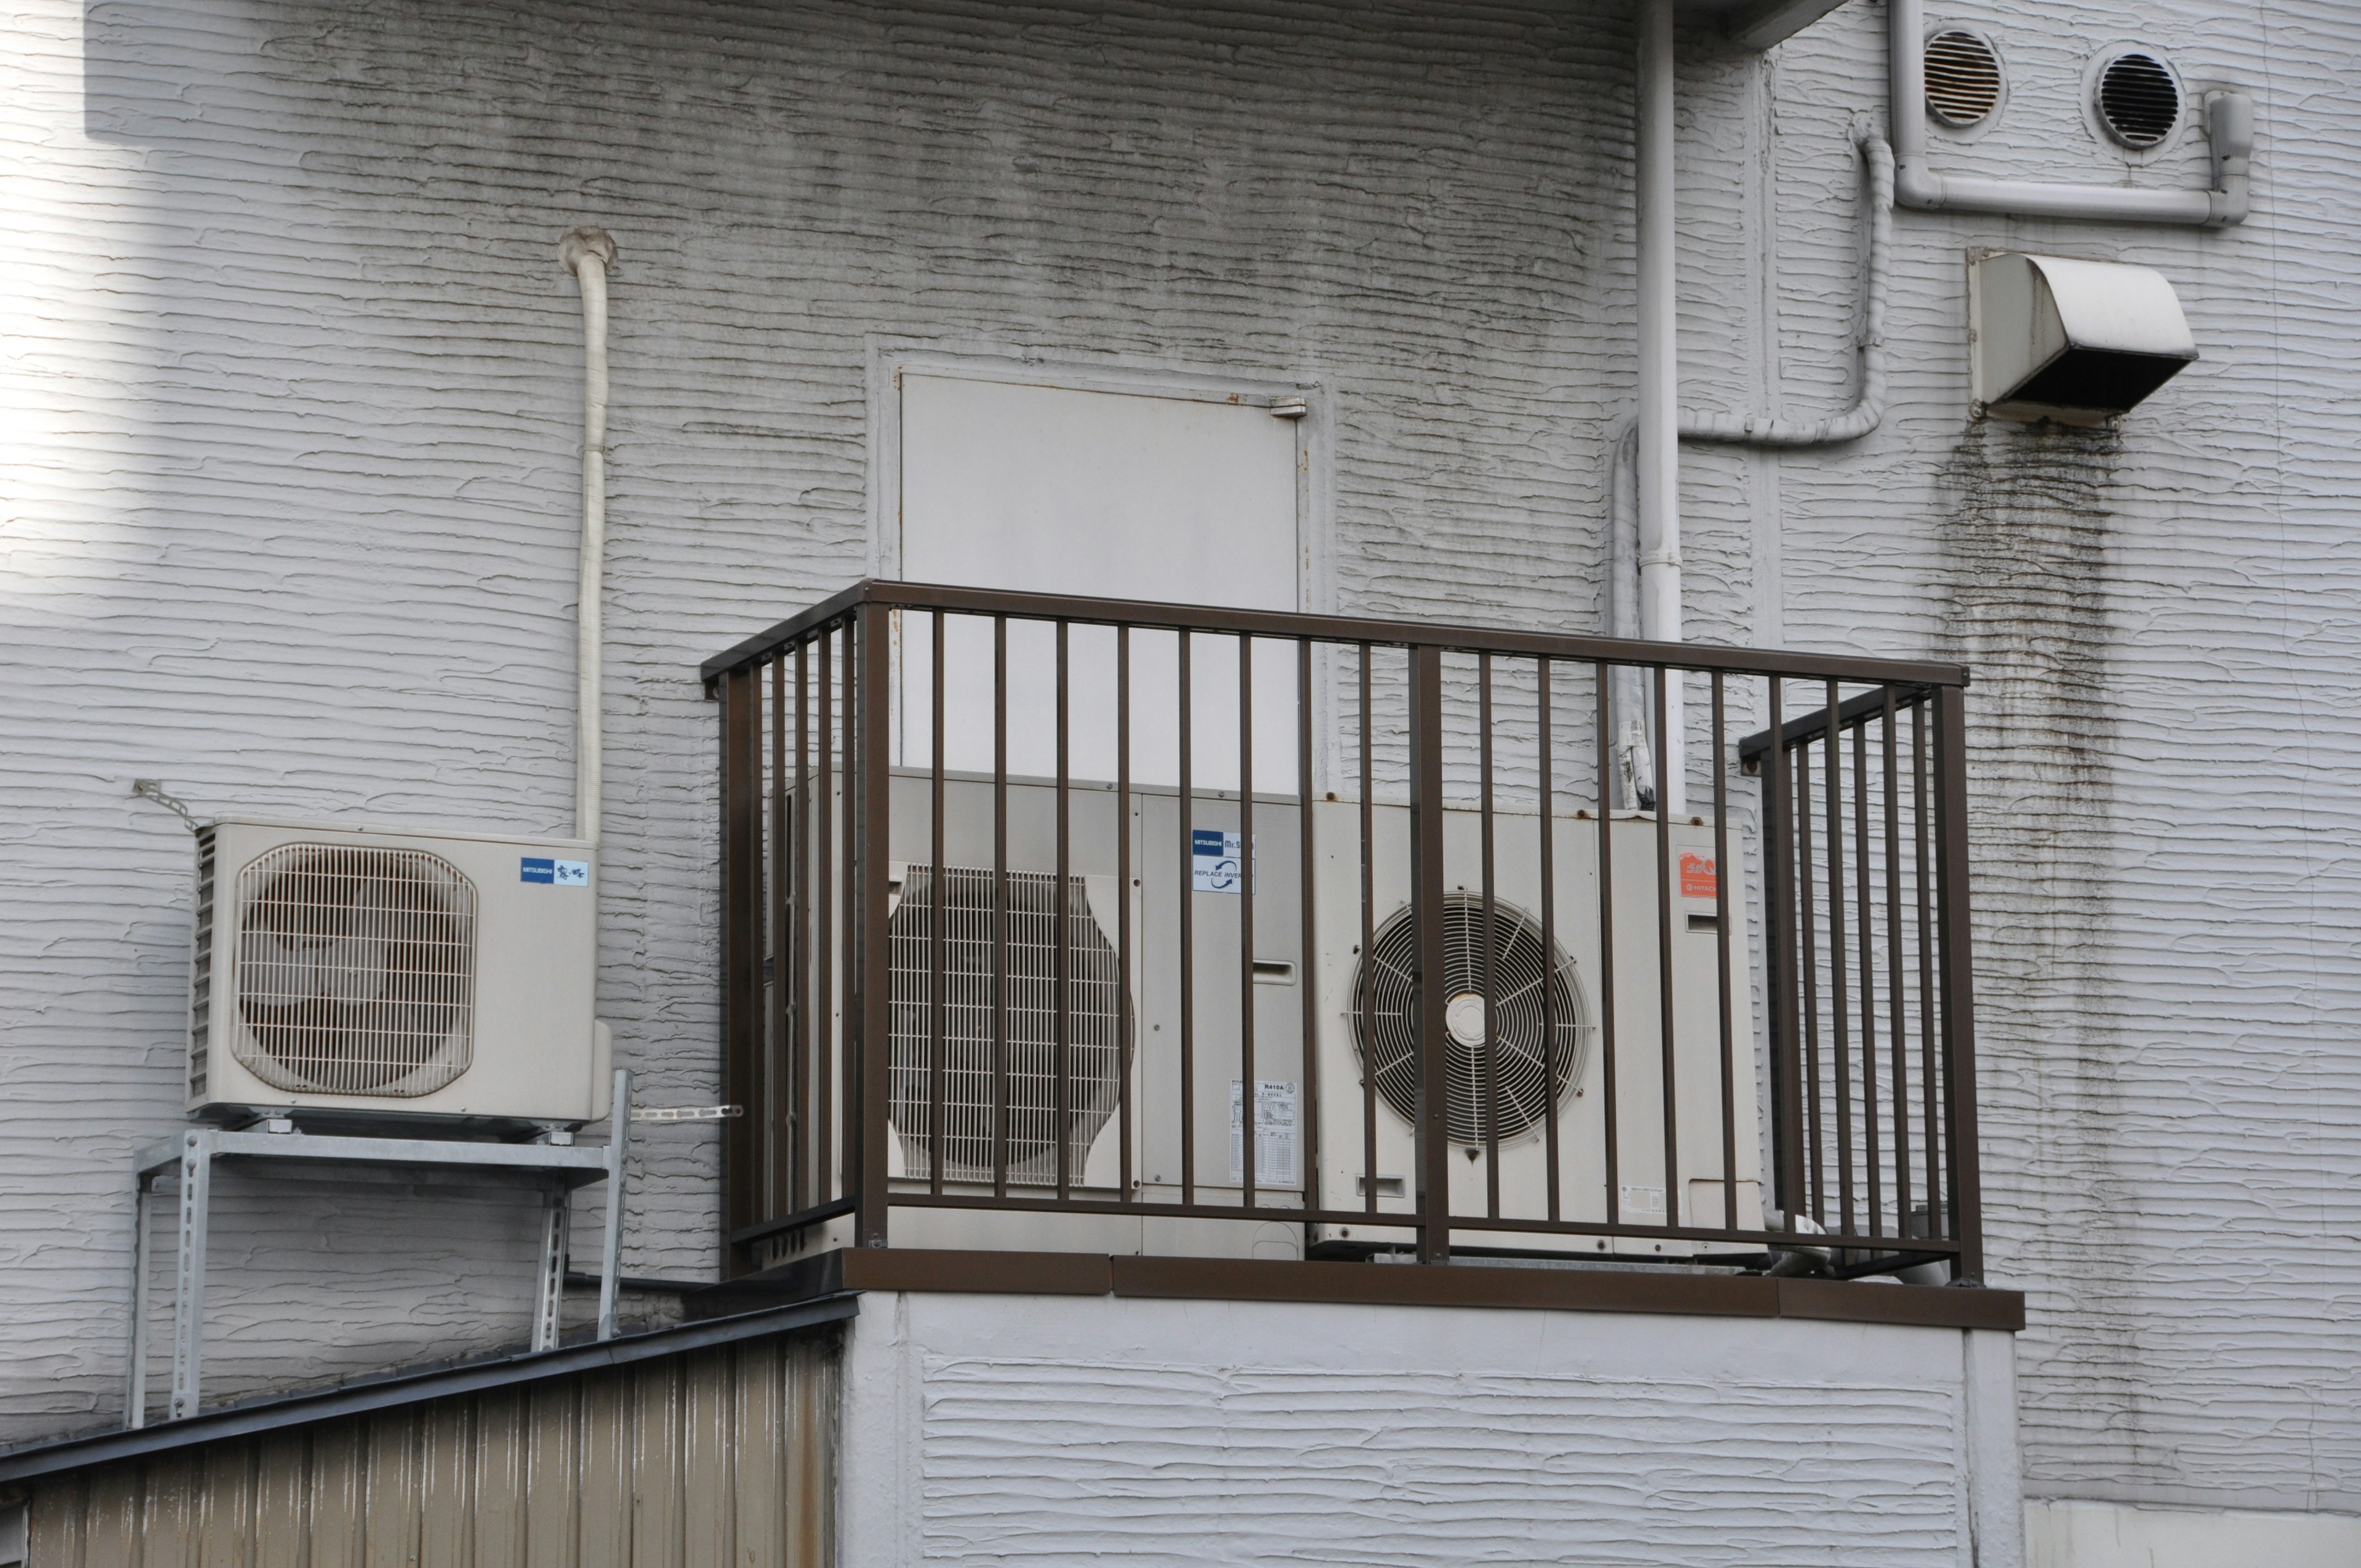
point(1698, 878)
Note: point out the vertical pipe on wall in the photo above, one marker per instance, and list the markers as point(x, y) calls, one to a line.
point(587, 253)
point(1659, 397)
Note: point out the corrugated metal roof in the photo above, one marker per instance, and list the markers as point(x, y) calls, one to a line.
point(53, 1456)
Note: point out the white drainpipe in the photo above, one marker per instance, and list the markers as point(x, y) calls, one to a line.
point(1868, 410)
point(587, 253)
point(2229, 124)
point(1659, 387)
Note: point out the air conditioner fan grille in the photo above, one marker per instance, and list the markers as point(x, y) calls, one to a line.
point(355, 970)
point(1529, 1045)
point(982, 1126)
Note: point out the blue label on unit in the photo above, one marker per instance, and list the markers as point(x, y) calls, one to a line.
point(533, 868)
point(553, 873)
point(1217, 860)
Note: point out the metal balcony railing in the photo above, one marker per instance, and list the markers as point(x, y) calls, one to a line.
point(1186, 922)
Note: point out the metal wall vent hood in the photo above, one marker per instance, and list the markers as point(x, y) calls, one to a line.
point(2074, 341)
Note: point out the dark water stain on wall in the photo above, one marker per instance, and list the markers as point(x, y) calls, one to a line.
point(2025, 568)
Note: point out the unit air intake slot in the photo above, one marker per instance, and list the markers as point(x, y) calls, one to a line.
point(981, 1128)
point(355, 970)
point(2138, 99)
point(200, 968)
point(1963, 81)
point(1538, 1020)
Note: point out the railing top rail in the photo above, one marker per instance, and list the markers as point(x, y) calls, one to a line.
point(1699, 657)
point(1853, 713)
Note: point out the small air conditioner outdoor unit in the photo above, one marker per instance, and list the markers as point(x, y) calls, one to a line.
point(349, 975)
point(1365, 1031)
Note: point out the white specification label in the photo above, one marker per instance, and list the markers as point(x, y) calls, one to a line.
point(1274, 1132)
point(1644, 1200)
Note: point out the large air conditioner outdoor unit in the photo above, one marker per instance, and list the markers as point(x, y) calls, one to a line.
point(1366, 1023)
point(349, 975)
point(942, 1057)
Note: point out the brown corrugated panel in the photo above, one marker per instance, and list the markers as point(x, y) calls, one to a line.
point(712, 1457)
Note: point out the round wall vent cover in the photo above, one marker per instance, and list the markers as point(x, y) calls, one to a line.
point(1963, 78)
point(2138, 99)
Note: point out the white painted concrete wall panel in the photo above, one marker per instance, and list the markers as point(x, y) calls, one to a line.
point(1035, 1461)
point(288, 379)
point(1172, 1431)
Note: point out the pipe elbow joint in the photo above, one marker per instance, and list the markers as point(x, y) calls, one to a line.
point(2230, 129)
point(1917, 186)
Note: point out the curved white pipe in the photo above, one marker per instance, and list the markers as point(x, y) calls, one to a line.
point(1868, 410)
point(2229, 124)
point(587, 253)
point(1629, 534)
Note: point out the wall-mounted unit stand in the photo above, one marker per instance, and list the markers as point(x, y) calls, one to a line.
point(559, 1167)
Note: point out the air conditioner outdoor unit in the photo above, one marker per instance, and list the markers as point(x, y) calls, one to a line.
point(950, 1052)
point(1365, 1023)
point(349, 975)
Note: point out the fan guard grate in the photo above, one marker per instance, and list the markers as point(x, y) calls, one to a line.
point(355, 970)
point(1028, 1005)
point(1386, 1024)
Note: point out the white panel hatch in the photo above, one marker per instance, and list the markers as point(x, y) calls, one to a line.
point(1177, 496)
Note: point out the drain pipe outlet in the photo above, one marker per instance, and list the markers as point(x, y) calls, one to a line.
point(587, 253)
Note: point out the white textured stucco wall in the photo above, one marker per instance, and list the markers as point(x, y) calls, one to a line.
point(289, 375)
point(999, 1429)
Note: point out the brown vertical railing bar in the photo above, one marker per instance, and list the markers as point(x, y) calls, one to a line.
point(938, 1024)
point(1426, 821)
point(1000, 906)
point(1809, 921)
point(1923, 816)
point(1839, 991)
point(1721, 987)
point(807, 1025)
point(1783, 970)
point(1896, 1002)
point(827, 1036)
point(1306, 1110)
point(775, 1146)
point(1669, 766)
point(1491, 985)
point(1186, 883)
point(1544, 766)
point(1249, 1142)
point(1061, 1126)
point(1127, 1045)
point(741, 943)
point(1958, 981)
point(1366, 1003)
point(856, 946)
point(1610, 1119)
point(1866, 910)
point(875, 690)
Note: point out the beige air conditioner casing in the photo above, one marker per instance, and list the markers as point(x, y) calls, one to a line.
point(1687, 1189)
point(384, 973)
